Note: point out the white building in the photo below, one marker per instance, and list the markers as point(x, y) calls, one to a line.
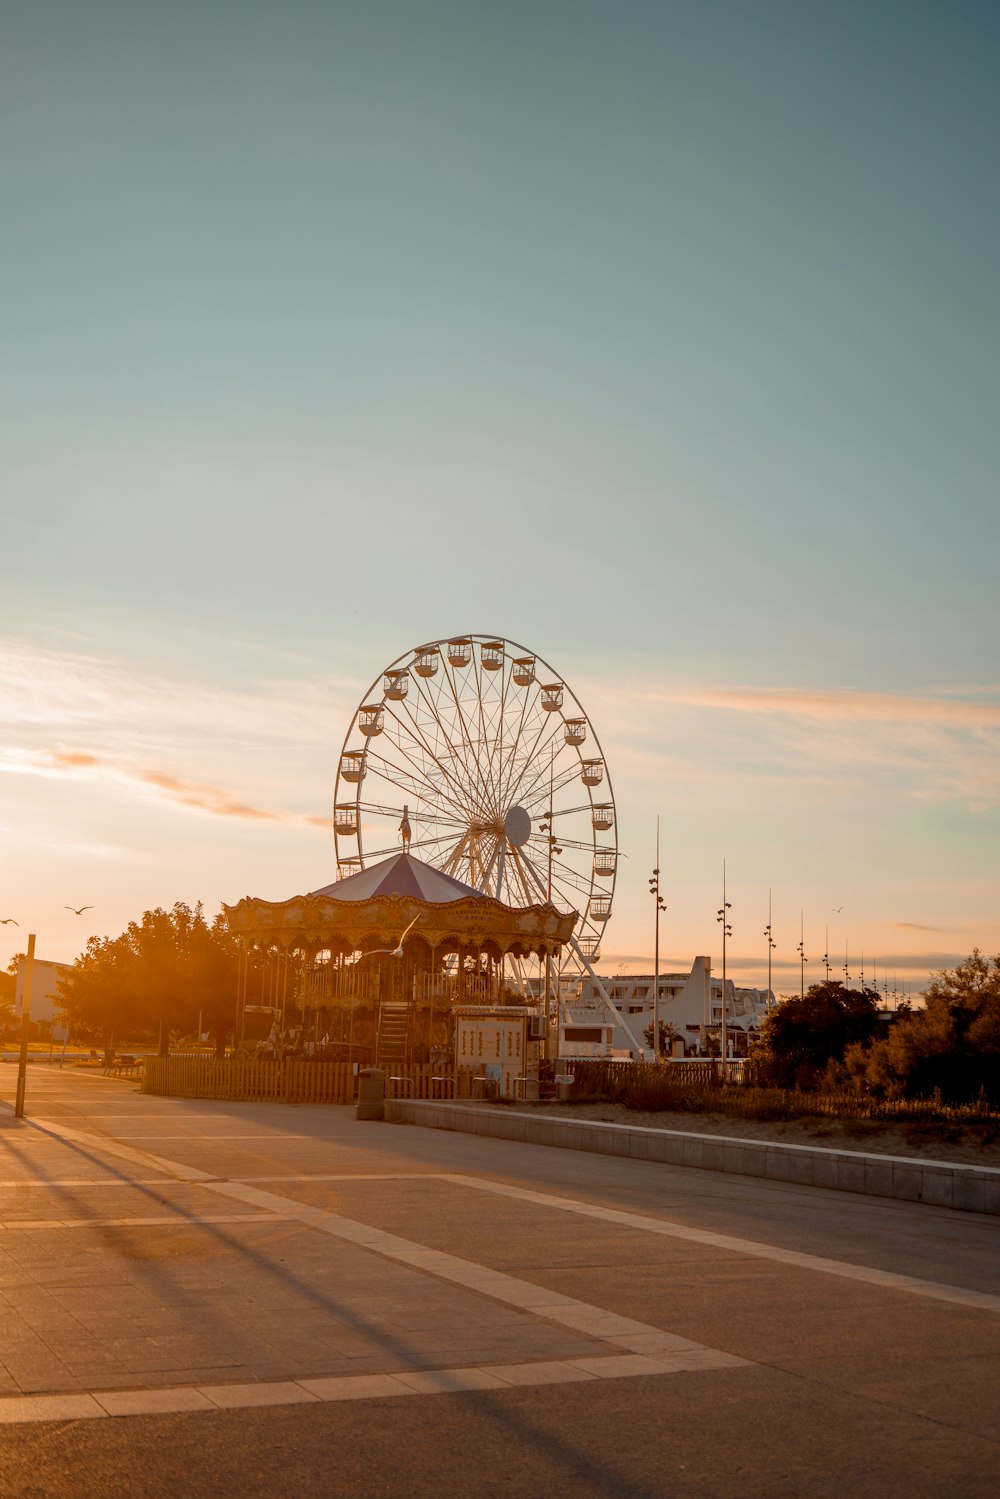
point(44, 982)
point(689, 1002)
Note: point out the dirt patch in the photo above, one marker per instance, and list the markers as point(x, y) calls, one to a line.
point(971, 1145)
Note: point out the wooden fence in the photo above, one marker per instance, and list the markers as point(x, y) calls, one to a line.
point(244, 1080)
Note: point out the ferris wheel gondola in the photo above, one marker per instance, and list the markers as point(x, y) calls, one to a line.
point(476, 756)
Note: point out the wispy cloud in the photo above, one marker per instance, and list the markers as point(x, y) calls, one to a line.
point(845, 705)
point(192, 794)
point(916, 926)
point(933, 746)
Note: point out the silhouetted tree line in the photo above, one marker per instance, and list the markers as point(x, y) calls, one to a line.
point(163, 975)
point(835, 1038)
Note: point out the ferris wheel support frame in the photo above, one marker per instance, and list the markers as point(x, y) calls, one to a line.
point(619, 1015)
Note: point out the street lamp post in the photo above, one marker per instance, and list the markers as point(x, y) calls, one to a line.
point(22, 1060)
point(801, 950)
point(771, 944)
point(654, 890)
point(553, 848)
point(727, 931)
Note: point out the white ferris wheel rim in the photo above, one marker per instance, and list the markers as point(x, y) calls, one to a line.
point(475, 808)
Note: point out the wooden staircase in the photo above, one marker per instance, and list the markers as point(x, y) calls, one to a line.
point(391, 1042)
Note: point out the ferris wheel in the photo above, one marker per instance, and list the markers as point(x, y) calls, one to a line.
point(475, 755)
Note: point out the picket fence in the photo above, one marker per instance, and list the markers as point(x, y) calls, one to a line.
point(244, 1080)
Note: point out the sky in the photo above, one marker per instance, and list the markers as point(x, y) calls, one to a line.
point(661, 338)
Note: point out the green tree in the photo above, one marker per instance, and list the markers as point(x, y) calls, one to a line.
point(800, 1037)
point(8, 990)
point(165, 972)
point(96, 995)
point(952, 1045)
point(668, 1035)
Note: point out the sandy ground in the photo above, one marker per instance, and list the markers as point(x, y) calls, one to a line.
point(940, 1142)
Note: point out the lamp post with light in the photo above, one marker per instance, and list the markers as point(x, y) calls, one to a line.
point(654, 890)
point(553, 848)
point(803, 960)
point(727, 931)
point(771, 944)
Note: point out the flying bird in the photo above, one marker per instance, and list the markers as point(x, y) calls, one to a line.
point(8, 921)
point(838, 909)
point(78, 910)
point(394, 952)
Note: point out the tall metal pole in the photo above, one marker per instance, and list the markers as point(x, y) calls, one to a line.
point(769, 934)
point(22, 1061)
point(727, 931)
point(654, 890)
point(546, 827)
point(801, 950)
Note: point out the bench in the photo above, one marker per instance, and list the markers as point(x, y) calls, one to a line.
point(123, 1066)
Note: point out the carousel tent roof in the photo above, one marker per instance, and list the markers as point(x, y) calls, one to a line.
point(377, 904)
point(400, 874)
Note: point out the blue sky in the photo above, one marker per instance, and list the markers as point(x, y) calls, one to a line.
point(659, 337)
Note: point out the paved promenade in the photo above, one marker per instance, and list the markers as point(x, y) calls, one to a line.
point(215, 1299)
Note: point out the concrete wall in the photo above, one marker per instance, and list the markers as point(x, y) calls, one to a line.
point(974, 1189)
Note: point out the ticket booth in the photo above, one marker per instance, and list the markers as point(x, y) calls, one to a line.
point(497, 1051)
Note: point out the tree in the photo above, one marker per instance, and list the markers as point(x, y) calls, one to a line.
point(668, 1035)
point(8, 992)
point(163, 974)
point(952, 1045)
point(800, 1037)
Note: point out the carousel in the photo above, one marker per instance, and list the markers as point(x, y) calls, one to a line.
point(377, 965)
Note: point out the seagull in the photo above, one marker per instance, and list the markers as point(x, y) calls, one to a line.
point(78, 910)
point(838, 909)
point(394, 952)
point(8, 920)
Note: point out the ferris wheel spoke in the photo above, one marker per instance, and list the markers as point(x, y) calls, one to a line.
point(505, 797)
point(400, 780)
point(378, 810)
point(569, 879)
point(529, 895)
point(453, 857)
point(533, 782)
point(393, 848)
point(530, 726)
point(539, 797)
point(531, 877)
point(498, 843)
point(536, 757)
point(431, 789)
point(477, 773)
point(433, 705)
point(583, 847)
point(500, 725)
point(563, 877)
point(407, 739)
point(413, 730)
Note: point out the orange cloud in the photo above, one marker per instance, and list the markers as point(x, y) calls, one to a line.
point(194, 794)
point(878, 705)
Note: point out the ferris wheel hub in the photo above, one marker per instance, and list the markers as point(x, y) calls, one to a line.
point(517, 826)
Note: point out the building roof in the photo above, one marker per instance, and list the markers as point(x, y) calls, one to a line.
point(400, 874)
